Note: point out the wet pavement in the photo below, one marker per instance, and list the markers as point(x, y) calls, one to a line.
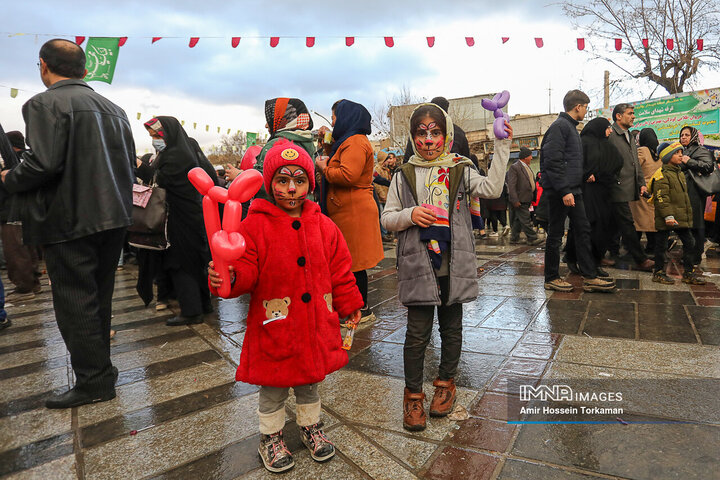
point(179, 414)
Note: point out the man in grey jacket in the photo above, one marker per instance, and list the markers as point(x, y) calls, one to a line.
point(521, 187)
point(630, 185)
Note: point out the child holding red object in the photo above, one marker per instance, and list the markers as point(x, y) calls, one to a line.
point(297, 269)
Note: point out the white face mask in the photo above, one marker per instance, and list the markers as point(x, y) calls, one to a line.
point(159, 144)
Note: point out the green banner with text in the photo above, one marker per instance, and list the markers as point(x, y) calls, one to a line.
point(101, 57)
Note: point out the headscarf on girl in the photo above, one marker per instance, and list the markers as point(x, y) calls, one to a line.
point(437, 190)
point(648, 138)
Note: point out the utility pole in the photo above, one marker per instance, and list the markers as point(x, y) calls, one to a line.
point(606, 83)
point(549, 98)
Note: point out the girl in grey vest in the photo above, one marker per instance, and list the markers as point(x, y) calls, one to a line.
point(428, 204)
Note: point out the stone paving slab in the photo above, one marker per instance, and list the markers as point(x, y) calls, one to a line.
point(176, 387)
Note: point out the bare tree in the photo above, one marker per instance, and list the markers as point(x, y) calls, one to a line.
point(392, 118)
point(644, 26)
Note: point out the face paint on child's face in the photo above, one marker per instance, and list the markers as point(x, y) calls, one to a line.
point(290, 187)
point(429, 139)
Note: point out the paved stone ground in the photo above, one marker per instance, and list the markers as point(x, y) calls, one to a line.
point(176, 387)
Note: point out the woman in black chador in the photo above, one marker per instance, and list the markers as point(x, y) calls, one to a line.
point(601, 164)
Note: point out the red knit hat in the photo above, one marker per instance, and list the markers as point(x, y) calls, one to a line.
point(284, 152)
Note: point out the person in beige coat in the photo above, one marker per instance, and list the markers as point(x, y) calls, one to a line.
point(643, 212)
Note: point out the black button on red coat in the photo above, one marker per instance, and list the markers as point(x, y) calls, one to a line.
point(306, 297)
point(301, 261)
point(296, 224)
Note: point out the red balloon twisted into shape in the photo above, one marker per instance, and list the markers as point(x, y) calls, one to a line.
point(226, 244)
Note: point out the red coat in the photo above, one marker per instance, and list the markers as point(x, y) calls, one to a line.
point(298, 273)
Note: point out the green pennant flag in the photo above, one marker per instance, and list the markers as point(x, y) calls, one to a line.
point(13, 92)
point(101, 54)
point(251, 139)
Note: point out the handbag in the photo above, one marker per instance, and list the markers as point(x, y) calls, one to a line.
point(150, 215)
point(707, 184)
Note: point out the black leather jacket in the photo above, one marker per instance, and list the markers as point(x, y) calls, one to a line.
point(78, 179)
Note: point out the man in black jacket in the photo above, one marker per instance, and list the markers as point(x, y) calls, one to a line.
point(561, 168)
point(76, 194)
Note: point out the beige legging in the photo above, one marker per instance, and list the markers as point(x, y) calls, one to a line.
point(271, 407)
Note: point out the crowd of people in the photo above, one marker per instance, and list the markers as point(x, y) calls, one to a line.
point(327, 203)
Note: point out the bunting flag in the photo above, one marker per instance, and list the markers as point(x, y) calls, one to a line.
point(182, 122)
point(470, 41)
point(581, 44)
point(309, 42)
point(194, 125)
point(138, 115)
point(13, 92)
point(207, 128)
point(121, 41)
point(505, 39)
point(193, 41)
point(349, 41)
point(218, 129)
point(539, 42)
point(431, 41)
point(235, 42)
point(645, 43)
point(228, 132)
point(670, 43)
point(618, 44)
point(155, 39)
point(79, 40)
point(274, 41)
point(389, 42)
point(700, 44)
point(101, 57)
point(250, 139)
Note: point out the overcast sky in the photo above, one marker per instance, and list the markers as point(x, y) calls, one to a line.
point(226, 87)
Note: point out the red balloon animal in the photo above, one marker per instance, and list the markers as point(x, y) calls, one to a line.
point(226, 244)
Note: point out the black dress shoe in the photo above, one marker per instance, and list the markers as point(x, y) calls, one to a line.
point(602, 273)
point(75, 398)
point(180, 320)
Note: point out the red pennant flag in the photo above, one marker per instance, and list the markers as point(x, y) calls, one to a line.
point(431, 41)
point(274, 41)
point(470, 41)
point(505, 39)
point(645, 43)
point(310, 42)
point(539, 42)
point(121, 41)
point(235, 42)
point(670, 43)
point(193, 41)
point(581, 43)
point(155, 39)
point(700, 44)
point(79, 40)
point(349, 41)
point(618, 44)
point(389, 42)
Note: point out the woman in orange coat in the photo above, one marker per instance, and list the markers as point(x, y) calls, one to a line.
point(347, 193)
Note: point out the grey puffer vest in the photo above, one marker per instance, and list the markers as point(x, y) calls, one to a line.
point(417, 284)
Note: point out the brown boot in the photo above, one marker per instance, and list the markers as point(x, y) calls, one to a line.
point(444, 398)
point(414, 411)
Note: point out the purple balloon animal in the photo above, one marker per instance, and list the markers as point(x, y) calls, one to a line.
point(495, 105)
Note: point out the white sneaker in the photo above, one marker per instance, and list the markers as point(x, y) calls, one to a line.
point(493, 234)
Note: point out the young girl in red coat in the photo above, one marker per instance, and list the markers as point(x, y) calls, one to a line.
point(297, 269)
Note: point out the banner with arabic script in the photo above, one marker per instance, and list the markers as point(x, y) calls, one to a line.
point(667, 115)
point(101, 57)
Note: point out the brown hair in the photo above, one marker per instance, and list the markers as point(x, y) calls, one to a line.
point(432, 111)
point(573, 98)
